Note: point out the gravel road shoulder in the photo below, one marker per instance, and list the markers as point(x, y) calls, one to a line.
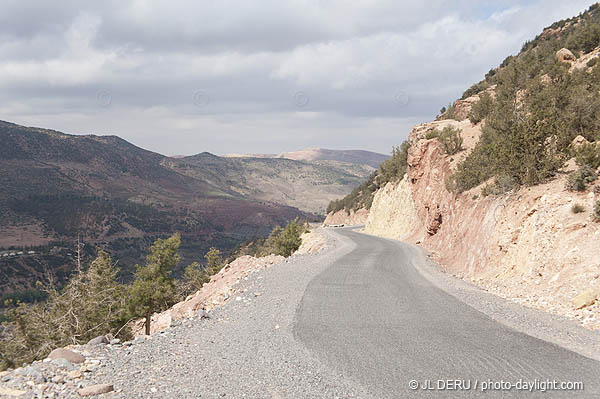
point(246, 348)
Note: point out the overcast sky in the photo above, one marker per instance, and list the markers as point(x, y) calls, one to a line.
point(182, 77)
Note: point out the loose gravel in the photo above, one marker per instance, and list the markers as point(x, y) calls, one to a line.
point(245, 350)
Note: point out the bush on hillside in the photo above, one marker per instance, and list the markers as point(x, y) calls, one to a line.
point(432, 134)
point(154, 287)
point(597, 210)
point(284, 241)
point(196, 275)
point(577, 208)
point(393, 169)
point(579, 180)
point(451, 140)
point(91, 304)
point(481, 109)
point(502, 184)
point(588, 155)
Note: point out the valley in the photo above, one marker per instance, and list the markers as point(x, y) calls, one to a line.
point(108, 193)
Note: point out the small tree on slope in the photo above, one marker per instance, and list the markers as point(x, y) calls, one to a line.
point(154, 288)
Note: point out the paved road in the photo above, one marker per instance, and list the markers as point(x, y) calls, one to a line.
point(375, 319)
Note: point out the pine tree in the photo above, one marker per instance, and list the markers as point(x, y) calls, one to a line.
point(154, 288)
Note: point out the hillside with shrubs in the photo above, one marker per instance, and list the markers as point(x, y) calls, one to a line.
point(95, 303)
point(502, 187)
point(529, 110)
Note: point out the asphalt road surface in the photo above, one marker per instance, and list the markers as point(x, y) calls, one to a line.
point(375, 319)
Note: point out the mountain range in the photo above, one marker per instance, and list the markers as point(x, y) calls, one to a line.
point(359, 157)
point(106, 192)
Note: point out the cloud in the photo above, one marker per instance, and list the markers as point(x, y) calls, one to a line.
point(263, 75)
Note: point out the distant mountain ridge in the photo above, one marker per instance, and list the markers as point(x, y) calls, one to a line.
point(110, 193)
point(357, 157)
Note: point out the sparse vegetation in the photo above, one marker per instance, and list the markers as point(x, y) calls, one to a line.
point(577, 208)
point(432, 134)
point(450, 112)
point(597, 210)
point(539, 108)
point(196, 275)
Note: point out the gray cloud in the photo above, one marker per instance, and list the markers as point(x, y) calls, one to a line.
point(366, 72)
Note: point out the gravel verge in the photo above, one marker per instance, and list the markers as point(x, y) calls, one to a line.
point(245, 349)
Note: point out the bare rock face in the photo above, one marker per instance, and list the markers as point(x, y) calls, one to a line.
point(66, 354)
point(565, 55)
point(95, 390)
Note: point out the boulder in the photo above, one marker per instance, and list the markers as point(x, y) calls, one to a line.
point(585, 299)
point(62, 353)
point(95, 390)
point(565, 55)
point(101, 340)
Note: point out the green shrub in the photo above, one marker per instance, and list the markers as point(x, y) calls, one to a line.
point(577, 208)
point(502, 184)
point(578, 180)
point(597, 210)
point(432, 134)
point(450, 113)
point(588, 155)
point(196, 275)
point(154, 287)
point(478, 87)
point(284, 241)
point(481, 109)
point(592, 62)
point(451, 140)
point(91, 304)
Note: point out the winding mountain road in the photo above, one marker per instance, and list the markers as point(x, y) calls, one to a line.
point(375, 319)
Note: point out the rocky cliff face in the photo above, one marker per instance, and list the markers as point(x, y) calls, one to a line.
point(527, 246)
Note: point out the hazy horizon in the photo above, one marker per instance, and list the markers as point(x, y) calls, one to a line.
point(258, 77)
